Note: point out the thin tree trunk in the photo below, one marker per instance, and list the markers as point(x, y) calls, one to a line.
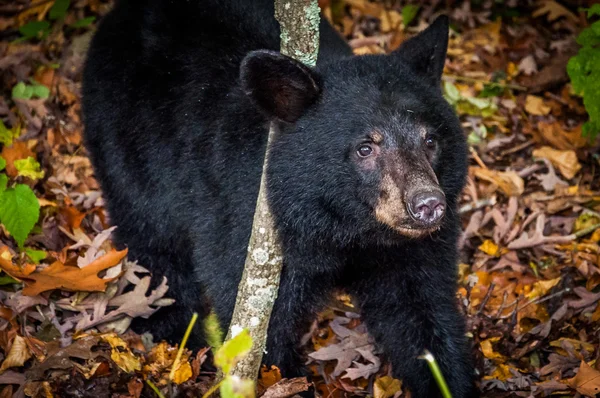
point(299, 21)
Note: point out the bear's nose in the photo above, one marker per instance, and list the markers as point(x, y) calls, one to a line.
point(427, 207)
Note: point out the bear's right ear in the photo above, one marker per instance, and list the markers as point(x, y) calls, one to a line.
point(278, 85)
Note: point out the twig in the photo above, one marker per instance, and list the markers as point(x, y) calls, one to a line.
point(516, 148)
point(494, 84)
point(477, 158)
point(478, 204)
point(540, 300)
point(486, 298)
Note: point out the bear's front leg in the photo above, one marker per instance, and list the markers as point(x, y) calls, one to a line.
point(408, 302)
point(305, 287)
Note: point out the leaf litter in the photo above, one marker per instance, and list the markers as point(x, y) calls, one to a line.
point(530, 257)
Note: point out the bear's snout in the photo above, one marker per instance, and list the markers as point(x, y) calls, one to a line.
point(427, 208)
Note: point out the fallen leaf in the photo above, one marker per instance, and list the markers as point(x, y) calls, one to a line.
point(488, 350)
point(183, 372)
point(269, 377)
point(508, 182)
point(386, 387)
point(553, 11)
point(17, 356)
point(122, 355)
point(18, 150)
point(60, 276)
point(560, 138)
point(586, 381)
point(534, 105)
point(540, 288)
point(528, 65)
point(565, 160)
point(287, 388)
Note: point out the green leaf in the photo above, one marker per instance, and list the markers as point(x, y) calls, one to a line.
point(213, 332)
point(82, 23)
point(233, 350)
point(40, 91)
point(19, 211)
point(35, 29)
point(29, 168)
point(59, 9)
point(409, 12)
point(19, 91)
point(35, 255)
point(8, 135)
point(6, 279)
point(3, 182)
point(593, 10)
point(2, 163)
point(451, 93)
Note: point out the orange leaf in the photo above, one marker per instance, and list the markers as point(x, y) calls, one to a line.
point(18, 150)
point(269, 377)
point(11, 269)
point(586, 381)
point(60, 276)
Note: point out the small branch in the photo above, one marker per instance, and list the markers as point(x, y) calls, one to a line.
point(486, 298)
point(477, 205)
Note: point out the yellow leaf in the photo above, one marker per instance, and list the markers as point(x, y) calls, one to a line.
point(488, 349)
point(540, 288)
point(535, 106)
point(502, 372)
point(386, 387)
point(491, 249)
point(183, 373)
point(17, 356)
point(121, 354)
point(566, 161)
point(577, 344)
point(508, 182)
point(586, 381)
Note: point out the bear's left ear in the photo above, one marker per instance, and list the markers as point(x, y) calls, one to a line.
point(426, 52)
point(279, 86)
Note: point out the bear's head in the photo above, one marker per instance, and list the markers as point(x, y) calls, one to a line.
point(366, 147)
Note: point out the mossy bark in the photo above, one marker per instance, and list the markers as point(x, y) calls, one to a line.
point(299, 21)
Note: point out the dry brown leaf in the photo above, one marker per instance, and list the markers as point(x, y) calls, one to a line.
point(554, 11)
point(287, 388)
point(386, 387)
point(586, 381)
point(17, 356)
point(566, 161)
point(60, 276)
point(508, 182)
point(560, 138)
point(534, 105)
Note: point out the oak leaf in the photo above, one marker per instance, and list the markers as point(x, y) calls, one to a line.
point(64, 277)
point(586, 381)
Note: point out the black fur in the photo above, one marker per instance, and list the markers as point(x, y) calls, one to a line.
point(176, 130)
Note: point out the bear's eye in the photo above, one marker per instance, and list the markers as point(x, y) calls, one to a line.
point(430, 142)
point(364, 150)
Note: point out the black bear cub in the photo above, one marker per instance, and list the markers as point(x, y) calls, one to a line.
point(365, 170)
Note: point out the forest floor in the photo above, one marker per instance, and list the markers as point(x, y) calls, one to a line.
point(530, 257)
